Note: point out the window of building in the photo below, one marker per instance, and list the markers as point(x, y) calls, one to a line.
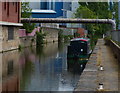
point(44, 5)
point(10, 33)
point(51, 7)
point(70, 8)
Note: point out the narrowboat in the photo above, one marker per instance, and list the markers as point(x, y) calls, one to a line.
point(78, 50)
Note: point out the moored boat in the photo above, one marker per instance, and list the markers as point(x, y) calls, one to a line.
point(78, 50)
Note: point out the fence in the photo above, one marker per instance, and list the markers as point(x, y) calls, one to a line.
point(115, 35)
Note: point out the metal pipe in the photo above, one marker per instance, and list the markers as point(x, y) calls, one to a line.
point(69, 20)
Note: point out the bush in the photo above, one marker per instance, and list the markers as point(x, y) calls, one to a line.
point(67, 37)
point(39, 38)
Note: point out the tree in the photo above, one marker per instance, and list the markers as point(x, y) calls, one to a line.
point(115, 9)
point(26, 13)
point(95, 10)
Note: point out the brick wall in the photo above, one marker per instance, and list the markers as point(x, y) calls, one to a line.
point(0, 11)
point(81, 31)
point(10, 12)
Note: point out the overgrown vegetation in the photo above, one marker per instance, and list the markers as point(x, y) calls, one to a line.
point(96, 10)
point(62, 37)
point(26, 13)
point(40, 38)
point(67, 37)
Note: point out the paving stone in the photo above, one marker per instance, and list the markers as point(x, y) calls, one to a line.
point(92, 76)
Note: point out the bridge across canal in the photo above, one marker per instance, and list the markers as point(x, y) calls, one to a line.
point(69, 20)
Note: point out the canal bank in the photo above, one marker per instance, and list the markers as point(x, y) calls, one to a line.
point(93, 76)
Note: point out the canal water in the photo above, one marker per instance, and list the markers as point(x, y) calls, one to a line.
point(38, 69)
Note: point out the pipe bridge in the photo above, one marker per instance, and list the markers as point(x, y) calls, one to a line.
point(69, 20)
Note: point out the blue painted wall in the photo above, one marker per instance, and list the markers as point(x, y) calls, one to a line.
point(58, 7)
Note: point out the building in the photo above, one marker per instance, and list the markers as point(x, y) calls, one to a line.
point(46, 9)
point(81, 32)
point(49, 9)
point(9, 25)
point(52, 9)
point(69, 8)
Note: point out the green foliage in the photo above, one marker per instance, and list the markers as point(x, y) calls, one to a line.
point(26, 13)
point(67, 37)
point(98, 9)
point(29, 27)
point(84, 12)
point(76, 34)
point(115, 9)
point(95, 10)
point(40, 38)
point(26, 10)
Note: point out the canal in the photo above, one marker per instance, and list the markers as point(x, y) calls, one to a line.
point(38, 69)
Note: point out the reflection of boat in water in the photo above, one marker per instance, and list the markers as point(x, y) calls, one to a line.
point(75, 66)
point(78, 51)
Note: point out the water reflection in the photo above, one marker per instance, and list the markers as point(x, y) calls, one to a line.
point(10, 70)
point(41, 68)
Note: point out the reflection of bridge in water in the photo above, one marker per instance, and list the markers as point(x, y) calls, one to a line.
point(33, 70)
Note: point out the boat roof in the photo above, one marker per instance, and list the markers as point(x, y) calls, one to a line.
point(80, 39)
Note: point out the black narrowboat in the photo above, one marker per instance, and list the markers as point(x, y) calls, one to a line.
point(79, 49)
